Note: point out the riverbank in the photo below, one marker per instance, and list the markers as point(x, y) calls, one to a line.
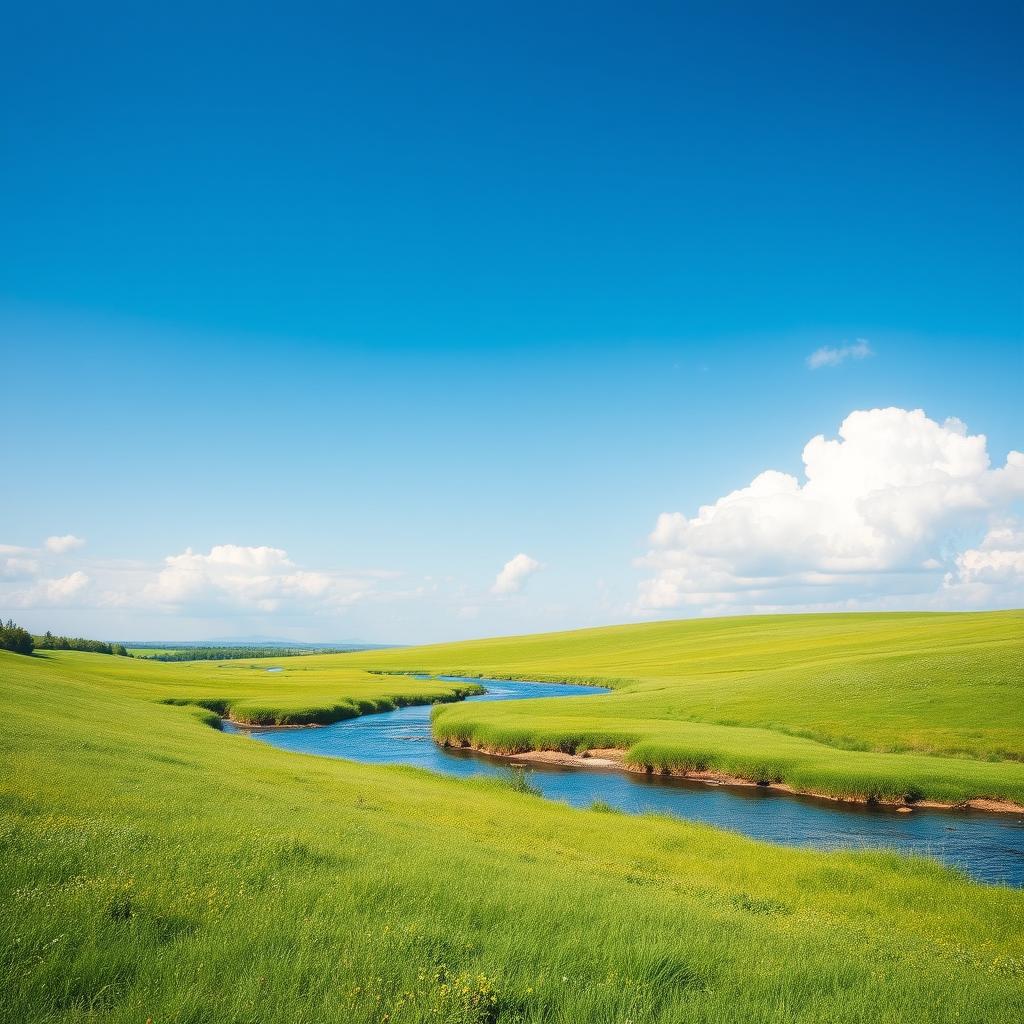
point(304, 697)
point(319, 718)
point(615, 758)
point(903, 709)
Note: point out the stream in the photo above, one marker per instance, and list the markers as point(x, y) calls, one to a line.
point(989, 847)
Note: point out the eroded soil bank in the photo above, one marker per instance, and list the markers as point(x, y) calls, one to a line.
point(611, 757)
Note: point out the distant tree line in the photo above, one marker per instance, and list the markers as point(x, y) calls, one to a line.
point(21, 641)
point(49, 642)
point(14, 638)
point(226, 653)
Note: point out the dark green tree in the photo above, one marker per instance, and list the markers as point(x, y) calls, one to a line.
point(14, 638)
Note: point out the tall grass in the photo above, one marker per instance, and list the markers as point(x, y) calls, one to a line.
point(154, 868)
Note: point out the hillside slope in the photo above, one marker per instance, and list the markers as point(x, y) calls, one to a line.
point(889, 706)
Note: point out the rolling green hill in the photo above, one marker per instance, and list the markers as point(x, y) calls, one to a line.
point(154, 868)
point(890, 706)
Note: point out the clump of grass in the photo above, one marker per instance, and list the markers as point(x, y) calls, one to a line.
point(752, 905)
point(517, 779)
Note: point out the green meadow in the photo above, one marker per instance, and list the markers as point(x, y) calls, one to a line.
point(887, 706)
point(156, 869)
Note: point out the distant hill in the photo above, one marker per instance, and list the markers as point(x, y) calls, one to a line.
point(226, 650)
point(176, 645)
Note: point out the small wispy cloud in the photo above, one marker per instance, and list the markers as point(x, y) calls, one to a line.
point(514, 574)
point(61, 545)
point(833, 355)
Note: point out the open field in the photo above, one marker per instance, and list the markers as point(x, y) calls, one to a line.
point(888, 706)
point(153, 867)
point(313, 689)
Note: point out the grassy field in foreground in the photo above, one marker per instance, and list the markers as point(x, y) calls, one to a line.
point(154, 868)
point(894, 706)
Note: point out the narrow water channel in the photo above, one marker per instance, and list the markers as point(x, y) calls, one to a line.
point(990, 847)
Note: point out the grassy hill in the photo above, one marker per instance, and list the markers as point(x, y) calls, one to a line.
point(152, 867)
point(311, 690)
point(875, 705)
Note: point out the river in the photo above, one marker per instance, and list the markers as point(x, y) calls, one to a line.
point(989, 847)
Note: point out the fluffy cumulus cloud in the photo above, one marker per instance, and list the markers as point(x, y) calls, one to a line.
point(514, 573)
point(881, 512)
point(62, 545)
point(26, 579)
point(830, 355)
point(33, 590)
point(61, 592)
point(259, 578)
point(993, 569)
point(228, 579)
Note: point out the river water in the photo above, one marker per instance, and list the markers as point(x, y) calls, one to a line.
point(990, 847)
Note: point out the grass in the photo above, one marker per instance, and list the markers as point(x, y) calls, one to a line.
point(888, 706)
point(316, 689)
point(153, 868)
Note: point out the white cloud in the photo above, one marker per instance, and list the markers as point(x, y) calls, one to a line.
point(880, 513)
point(62, 545)
point(61, 592)
point(15, 562)
point(18, 568)
point(258, 578)
point(67, 586)
point(230, 579)
point(997, 561)
point(829, 355)
point(515, 572)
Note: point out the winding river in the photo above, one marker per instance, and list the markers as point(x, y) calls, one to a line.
point(989, 847)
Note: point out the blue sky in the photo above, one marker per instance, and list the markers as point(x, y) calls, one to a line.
point(407, 292)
